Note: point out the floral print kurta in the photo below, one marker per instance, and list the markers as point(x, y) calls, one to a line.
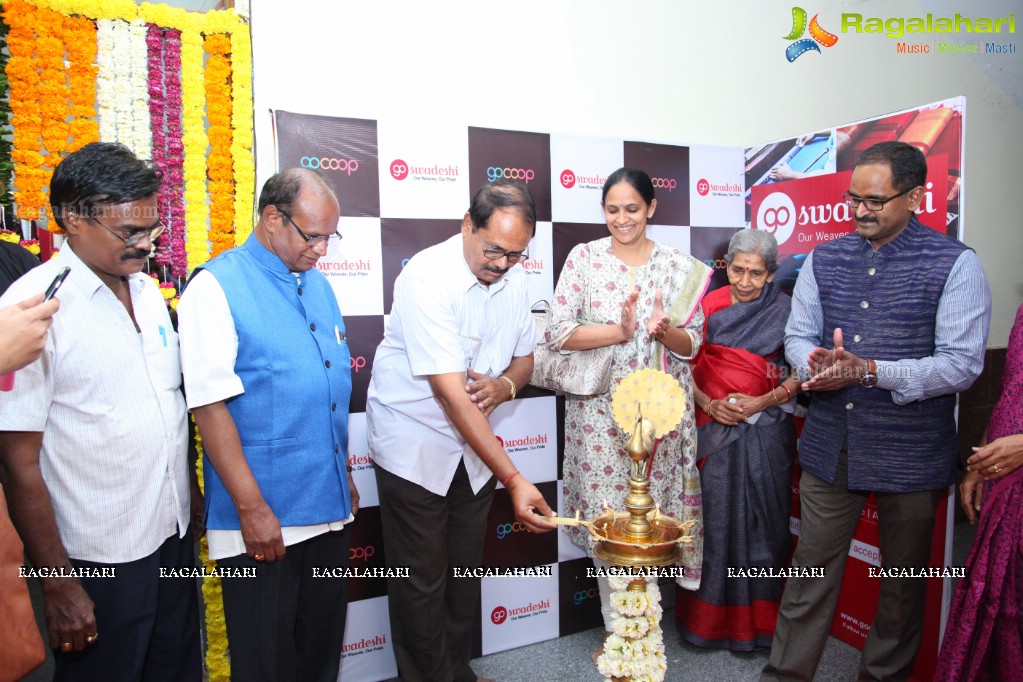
point(596, 463)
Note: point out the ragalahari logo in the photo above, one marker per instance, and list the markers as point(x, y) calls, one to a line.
point(817, 35)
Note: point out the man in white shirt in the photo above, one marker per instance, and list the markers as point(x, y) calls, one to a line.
point(458, 342)
point(93, 438)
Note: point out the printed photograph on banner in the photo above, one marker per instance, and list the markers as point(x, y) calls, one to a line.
point(358, 458)
point(519, 611)
point(353, 267)
point(368, 653)
point(578, 597)
point(402, 238)
point(716, 186)
point(709, 244)
point(342, 150)
point(567, 550)
point(527, 431)
point(366, 557)
point(422, 176)
point(512, 155)
point(806, 156)
point(506, 542)
point(936, 130)
point(539, 267)
point(672, 235)
point(364, 335)
point(580, 166)
point(564, 236)
point(668, 166)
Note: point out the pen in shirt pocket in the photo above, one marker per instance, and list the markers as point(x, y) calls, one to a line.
point(163, 335)
point(338, 335)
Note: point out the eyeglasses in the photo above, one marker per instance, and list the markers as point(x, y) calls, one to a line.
point(494, 253)
point(134, 235)
point(311, 242)
point(874, 205)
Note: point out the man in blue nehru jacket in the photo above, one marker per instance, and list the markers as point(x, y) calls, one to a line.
point(268, 378)
point(887, 325)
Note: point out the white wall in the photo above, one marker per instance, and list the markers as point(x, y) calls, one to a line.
point(659, 70)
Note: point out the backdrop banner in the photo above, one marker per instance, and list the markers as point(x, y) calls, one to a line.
point(402, 191)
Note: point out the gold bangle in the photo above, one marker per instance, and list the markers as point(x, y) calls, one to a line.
point(511, 385)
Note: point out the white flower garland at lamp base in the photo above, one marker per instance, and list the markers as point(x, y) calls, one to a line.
point(635, 651)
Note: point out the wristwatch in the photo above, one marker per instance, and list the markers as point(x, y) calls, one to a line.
point(869, 379)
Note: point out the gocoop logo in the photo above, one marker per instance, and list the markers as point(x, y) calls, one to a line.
point(361, 553)
point(328, 163)
point(498, 615)
point(525, 174)
point(702, 187)
point(506, 529)
point(665, 183)
point(818, 36)
point(582, 595)
point(567, 179)
point(777, 215)
point(717, 264)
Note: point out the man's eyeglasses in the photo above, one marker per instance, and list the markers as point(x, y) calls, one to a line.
point(134, 235)
point(311, 242)
point(494, 253)
point(874, 205)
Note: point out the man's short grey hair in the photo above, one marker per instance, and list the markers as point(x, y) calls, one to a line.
point(754, 243)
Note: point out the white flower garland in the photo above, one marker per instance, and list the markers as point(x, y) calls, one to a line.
point(636, 649)
point(106, 78)
point(141, 141)
point(122, 85)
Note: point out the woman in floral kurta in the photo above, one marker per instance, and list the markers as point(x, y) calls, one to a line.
point(644, 297)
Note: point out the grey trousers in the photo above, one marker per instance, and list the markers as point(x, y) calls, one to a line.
point(432, 612)
point(829, 517)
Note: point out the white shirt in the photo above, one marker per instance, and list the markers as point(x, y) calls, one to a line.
point(107, 400)
point(443, 320)
point(209, 349)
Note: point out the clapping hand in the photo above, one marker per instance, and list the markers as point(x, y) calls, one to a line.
point(629, 325)
point(833, 369)
point(659, 322)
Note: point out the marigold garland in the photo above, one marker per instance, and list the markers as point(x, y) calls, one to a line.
point(29, 175)
point(80, 41)
point(195, 144)
point(220, 166)
point(241, 123)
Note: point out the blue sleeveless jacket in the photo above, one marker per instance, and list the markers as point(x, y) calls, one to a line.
point(293, 416)
point(886, 303)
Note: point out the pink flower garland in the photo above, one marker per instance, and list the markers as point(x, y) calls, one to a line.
point(157, 119)
point(164, 48)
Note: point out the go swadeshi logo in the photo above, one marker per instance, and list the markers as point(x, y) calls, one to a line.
point(817, 35)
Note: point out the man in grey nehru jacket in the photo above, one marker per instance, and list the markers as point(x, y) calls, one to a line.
point(887, 325)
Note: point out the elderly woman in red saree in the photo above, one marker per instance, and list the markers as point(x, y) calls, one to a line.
point(746, 445)
point(984, 633)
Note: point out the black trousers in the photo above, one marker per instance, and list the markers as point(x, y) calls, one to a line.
point(432, 612)
point(284, 624)
point(148, 626)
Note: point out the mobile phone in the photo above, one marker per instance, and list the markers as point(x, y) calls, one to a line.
point(55, 284)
